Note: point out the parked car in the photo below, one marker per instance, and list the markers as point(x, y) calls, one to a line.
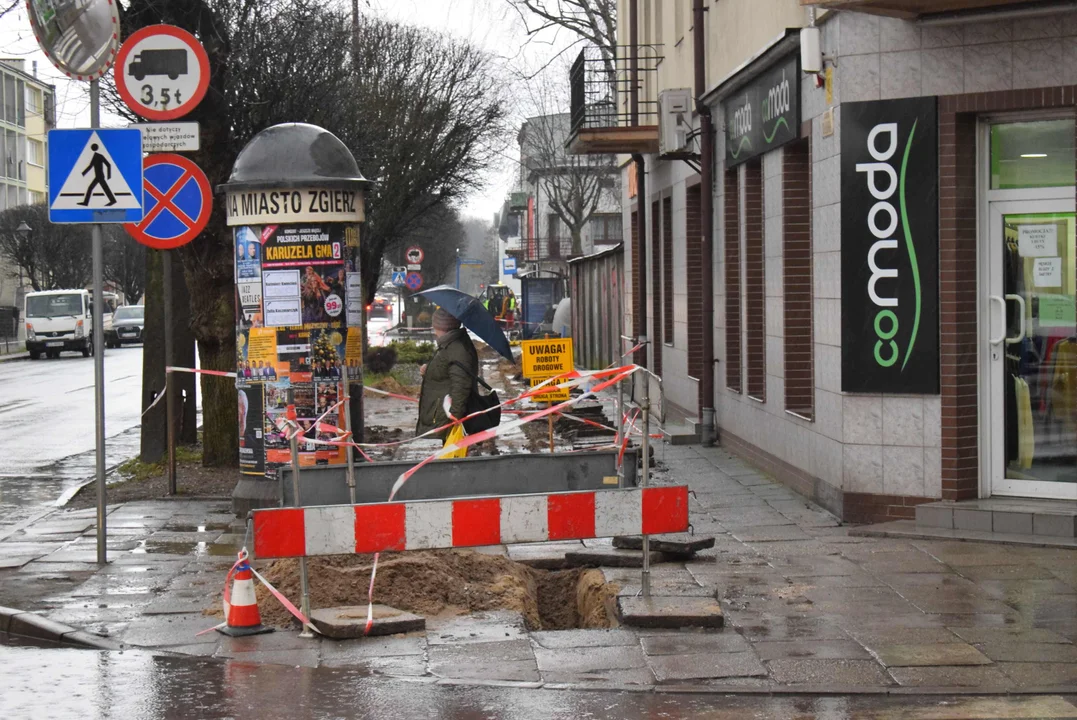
point(380, 308)
point(59, 320)
point(127, 325)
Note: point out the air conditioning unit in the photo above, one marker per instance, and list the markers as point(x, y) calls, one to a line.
point(674, 120)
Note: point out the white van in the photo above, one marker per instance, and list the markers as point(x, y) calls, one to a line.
point(58, 320)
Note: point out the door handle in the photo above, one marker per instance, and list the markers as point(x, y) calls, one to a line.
point(1002, 309)
point(1021, 314)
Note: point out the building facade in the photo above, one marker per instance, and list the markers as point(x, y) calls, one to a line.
point(893, 248)
point(28, 113)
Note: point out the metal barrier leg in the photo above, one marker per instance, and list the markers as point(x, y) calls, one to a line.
point(346, 415)
point(620, 425)
point(645, 451)
point(304, 606)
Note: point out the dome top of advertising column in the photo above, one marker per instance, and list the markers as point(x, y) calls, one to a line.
point(294, 173)
point(293, 155)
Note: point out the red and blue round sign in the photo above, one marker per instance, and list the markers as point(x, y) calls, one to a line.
point(178, 201)
point(414, 281)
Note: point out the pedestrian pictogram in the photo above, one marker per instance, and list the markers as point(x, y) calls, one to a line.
point(400, 276)
point(178, 202)
point(97, 176)
point(162, 72)
point(414, 255)
point(414, 281)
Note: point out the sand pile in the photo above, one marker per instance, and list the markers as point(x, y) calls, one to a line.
point(390, 384)
point(446, 582)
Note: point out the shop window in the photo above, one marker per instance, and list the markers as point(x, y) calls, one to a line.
point(657, 339)
point(755, 322)
point(797, 279)
point(667, 268)
point(732, 281)
point(1032, 154)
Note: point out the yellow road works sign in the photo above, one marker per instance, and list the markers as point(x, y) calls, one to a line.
point(544, 359)
point(555, 395)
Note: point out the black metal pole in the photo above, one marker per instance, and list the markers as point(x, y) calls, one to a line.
point(706, 245)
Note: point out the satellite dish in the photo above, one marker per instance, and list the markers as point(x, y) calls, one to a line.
point(80, 37)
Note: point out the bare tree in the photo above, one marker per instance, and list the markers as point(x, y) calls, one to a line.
point(125, 263)
point(51, 256)
point(574, 185)
point(420, 112)
point(594, 21)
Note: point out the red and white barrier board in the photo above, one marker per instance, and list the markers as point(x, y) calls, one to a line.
point(468, 522)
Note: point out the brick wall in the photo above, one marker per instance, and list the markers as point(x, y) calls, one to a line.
point(732, 281)
point(667, 269)
point(797, 278)
point(656, 337)
point(694, 279)
point(755, 282)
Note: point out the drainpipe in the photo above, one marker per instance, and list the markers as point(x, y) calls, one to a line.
point(706, 246)
point(641, 180)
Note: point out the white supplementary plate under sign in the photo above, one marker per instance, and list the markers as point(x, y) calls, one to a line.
point(169, 137)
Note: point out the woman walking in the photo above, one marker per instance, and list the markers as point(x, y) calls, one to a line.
point(451, 372)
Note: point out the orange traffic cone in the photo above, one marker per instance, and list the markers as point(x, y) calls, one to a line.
point(241, 616)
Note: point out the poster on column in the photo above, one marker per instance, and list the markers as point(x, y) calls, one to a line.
point(251, 441)
point(248, 278)
point(890, 247)
point(317, 254)
point(262, 354)
point(277, 447)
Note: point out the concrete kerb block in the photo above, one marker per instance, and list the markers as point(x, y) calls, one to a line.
point(30, 625)
point(668, 612)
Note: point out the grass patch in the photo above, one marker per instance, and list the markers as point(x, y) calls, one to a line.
point(134, 470)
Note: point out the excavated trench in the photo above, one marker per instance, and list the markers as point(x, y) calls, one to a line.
point(443, 583)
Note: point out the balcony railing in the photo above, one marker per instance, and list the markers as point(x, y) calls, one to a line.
point(540, 249)
point(601, 112)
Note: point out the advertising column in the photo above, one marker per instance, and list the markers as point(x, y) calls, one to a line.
point(297, 283)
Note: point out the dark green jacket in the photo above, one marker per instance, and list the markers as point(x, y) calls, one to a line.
point(443, 378)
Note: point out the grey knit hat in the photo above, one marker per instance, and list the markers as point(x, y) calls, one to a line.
point(442, 320)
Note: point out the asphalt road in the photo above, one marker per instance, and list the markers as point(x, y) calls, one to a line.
point(47, 417)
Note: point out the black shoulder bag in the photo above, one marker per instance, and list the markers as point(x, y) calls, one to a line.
point(477, 402)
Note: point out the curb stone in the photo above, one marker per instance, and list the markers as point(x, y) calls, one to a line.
point(28, 624)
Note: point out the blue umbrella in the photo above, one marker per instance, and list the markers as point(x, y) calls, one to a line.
point(472, 315)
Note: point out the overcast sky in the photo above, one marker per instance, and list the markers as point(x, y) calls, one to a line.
point(490, 24)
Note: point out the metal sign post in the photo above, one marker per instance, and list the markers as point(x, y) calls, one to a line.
point(304, 605)
point(170, 408)
point(99, 353)
point(645, 451)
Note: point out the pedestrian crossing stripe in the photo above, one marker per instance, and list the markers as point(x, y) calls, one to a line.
point(89, 175)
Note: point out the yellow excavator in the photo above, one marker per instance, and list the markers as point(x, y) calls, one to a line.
point(500, 301)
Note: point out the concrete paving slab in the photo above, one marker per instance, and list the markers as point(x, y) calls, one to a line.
point(881, 635)
point(1024, 571)
point(1011, 651)
point(821, 672)
point(477, 628)
point(825, 649)
point(592, 659)
point(860, 580)
point(1041, 675)
point(756, 627)
point(169, 630)
point(349, 622)
point(769, 533)
point(611, 557)
point(562, 639)
point(508, 660)
point(670, 612)
point(981, 635)
point(673, 543)
point(601, 679)
point(909, 655)
point(172, 605)
point(405, 666)
point(688, 642)
point(676, 668)
point(980, 676)
point(1007, 590)
point(267, 642)
point(9, 562)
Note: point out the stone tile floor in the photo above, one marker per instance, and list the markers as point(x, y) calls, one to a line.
point(807, 606)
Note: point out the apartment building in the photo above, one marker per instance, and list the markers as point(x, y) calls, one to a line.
point(27, 113)
point(893, 253)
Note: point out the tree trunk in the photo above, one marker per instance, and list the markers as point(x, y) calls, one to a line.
point(154, 437)
point(220, 434)
point(577, 242)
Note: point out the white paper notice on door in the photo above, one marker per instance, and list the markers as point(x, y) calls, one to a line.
point(283, 312)
point(1047, 272)
point(1037, 240)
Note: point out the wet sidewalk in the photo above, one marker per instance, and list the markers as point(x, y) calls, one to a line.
point(808, 608)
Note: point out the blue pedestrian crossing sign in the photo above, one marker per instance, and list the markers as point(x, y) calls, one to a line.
point(95, 175)
point(400, 276)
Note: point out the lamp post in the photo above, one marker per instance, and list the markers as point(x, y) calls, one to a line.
point(24, 232)
point(457, 268)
